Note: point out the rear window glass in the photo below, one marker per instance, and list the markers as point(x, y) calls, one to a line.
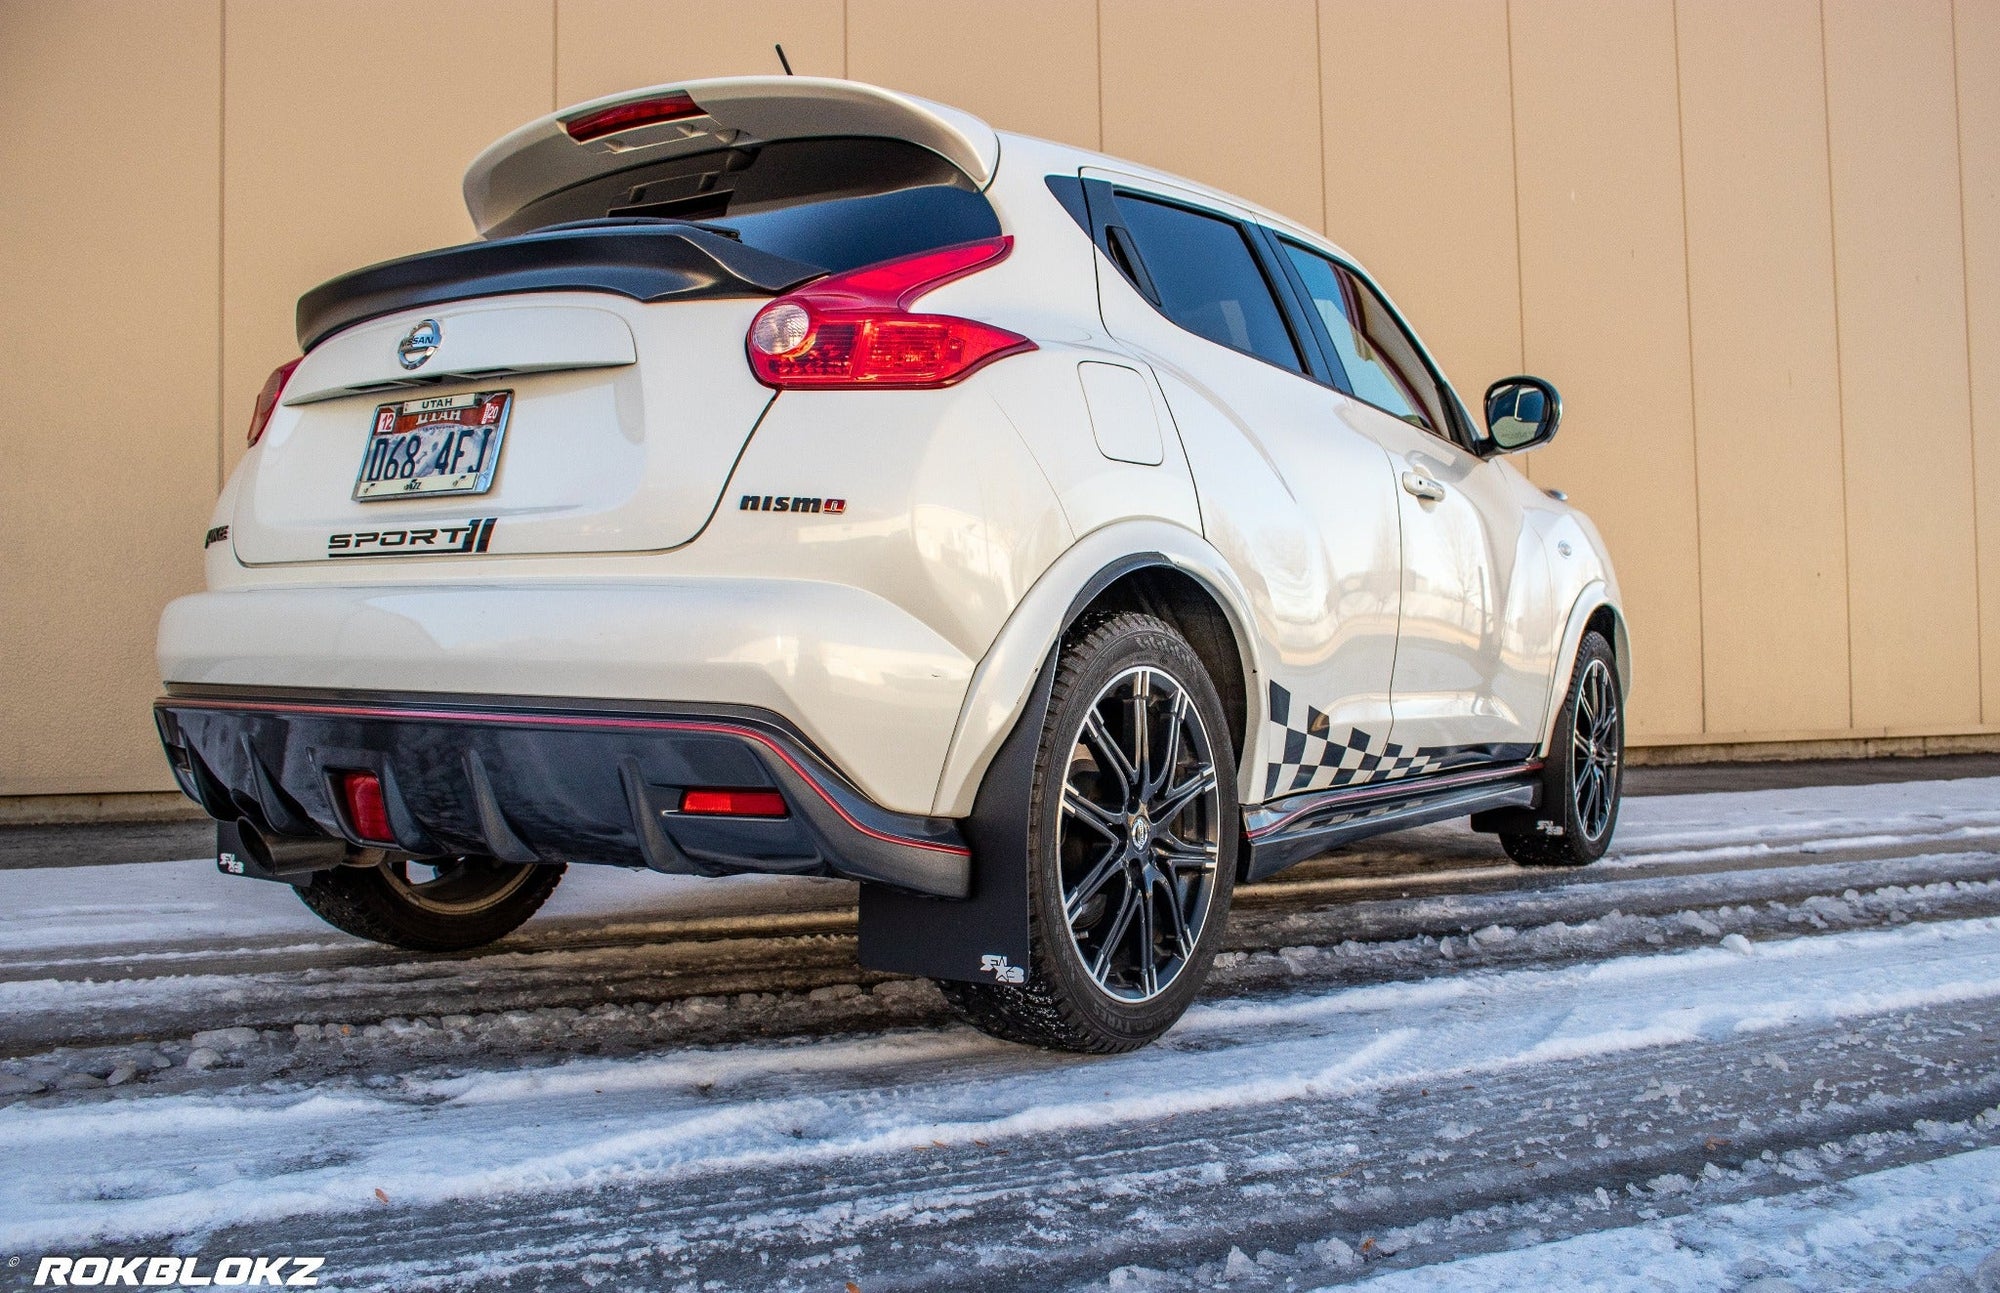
point(844, 233)
point(834, 203)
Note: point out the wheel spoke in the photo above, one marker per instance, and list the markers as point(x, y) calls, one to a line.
point(1182, 856)
point(1175, 801)
point(1149, 960)
point(1183, 940)
point(1098, 818)
point(1142, 736)
point(1101, 966)
point(1087, 888)
point(1590, 795)
point(1176, 716)
point(1109, 755)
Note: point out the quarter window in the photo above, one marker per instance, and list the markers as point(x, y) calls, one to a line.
point(1382, 362)
point(1206, 279)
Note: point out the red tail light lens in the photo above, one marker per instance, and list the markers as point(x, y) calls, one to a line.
point(854, 330)
point(267, 399)
point(367, 813)
point(630, 116)
point(733, 803)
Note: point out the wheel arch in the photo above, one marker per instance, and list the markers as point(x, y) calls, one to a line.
point(1594, 608)
point(1155, 586)
point(1150, 566)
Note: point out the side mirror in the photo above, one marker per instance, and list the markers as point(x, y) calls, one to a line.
point(1521, 413)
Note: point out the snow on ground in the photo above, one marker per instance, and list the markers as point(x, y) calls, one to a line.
point(594, 1122)
point(1930, 1227)
point(1507, 990)
point(109, 909)
point(1679, 828)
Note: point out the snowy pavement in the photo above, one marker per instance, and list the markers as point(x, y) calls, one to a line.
point(1755, 1044)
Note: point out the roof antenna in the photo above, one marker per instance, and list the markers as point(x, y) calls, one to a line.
point(783, 62)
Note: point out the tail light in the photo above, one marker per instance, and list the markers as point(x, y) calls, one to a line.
point(733, 803)
point(267, 399)
point(854, 330)
point(674, 106)
point(367, 812)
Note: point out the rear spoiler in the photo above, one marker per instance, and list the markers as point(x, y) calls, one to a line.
point(543, 157)
point(646, 260)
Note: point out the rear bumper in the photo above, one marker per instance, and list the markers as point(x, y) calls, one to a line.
point(533, 779)
point(868, 684)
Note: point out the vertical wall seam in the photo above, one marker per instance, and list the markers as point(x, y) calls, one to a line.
point(555, 54)
point(1971, 385)
point(1514, 154)
point(1694, 412)
point(1839, 357)
point(846, 35)
point(1520, 253)
point(1097, 14)
point(221, 227)
point(1319, 105)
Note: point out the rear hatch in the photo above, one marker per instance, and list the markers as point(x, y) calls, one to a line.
point(578, 382)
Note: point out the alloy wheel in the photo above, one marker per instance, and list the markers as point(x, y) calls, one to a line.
point(454, 886)
point(1596, 749)
point(1139, 833)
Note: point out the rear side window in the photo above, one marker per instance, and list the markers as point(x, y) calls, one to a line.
point(835, 203)
point(1206, 279)
point(1382, 362)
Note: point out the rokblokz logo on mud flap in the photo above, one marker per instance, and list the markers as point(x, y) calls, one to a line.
point(178, 1272)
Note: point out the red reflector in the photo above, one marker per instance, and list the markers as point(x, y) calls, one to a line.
point(854, 330)
point(733, 803)
point(630, 116)
point(267, 399)
point(366, 811)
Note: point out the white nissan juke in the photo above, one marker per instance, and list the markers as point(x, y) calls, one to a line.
point(801, 477)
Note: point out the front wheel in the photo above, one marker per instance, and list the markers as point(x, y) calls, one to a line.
point(439, 905)
point(1584, 776)
point(1132, 844)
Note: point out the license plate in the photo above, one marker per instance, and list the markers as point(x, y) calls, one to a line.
point(447, 444)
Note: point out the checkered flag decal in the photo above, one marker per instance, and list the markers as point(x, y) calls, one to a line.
point(1314, 759)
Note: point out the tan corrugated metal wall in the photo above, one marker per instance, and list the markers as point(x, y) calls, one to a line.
point(1756, 244)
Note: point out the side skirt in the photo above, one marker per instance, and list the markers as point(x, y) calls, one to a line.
point(1297, 827)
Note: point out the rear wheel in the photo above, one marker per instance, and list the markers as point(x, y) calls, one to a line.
point(1584, 775)
point(439, 905)
point(1131, 846)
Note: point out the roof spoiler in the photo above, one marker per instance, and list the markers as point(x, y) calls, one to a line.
point(646, 260)
point(544, 157)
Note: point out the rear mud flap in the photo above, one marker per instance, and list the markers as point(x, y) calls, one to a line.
point(983, 938)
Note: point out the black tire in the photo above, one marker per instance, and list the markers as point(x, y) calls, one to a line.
point(1585, 772)
point(469, 902)
point(1182, 866)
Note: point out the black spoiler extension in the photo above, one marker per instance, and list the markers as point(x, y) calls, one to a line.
point(645, 260)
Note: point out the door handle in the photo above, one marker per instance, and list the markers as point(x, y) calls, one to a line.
point(1422, 486)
